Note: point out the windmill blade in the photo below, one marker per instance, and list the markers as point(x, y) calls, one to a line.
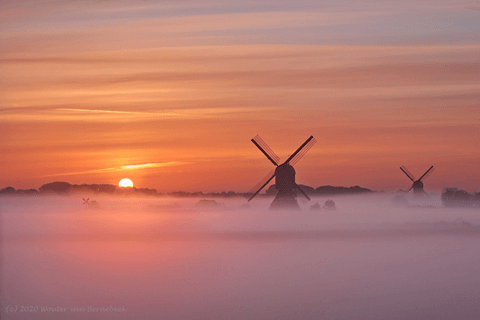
point(409, 175)
point(300, 197)
point(266, 150)
point(259, 186)
point(302, 192)
point(297, 155)
point(304, 198)
point(410, 188)
point(429, 172)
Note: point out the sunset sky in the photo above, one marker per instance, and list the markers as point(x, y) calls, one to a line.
point(169, 93)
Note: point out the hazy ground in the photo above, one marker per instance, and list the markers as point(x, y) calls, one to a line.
point(365, 260)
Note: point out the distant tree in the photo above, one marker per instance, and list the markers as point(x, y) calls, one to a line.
point(329, 205)
point(107, 188)
point(27, 192)
point(7, 190)
point(324, 190)
point(307, 189)
point(80, 188)
point(93, 188)
point(357, 189)
point(56, 187)
point(271, 191)
point(146, 191)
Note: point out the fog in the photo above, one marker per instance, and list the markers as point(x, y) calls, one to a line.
point(167, 258)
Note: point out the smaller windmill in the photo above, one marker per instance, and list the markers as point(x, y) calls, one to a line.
point(91, 204)
point(417, 185)
point(284, 175)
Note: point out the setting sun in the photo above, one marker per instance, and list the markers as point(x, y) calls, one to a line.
point(125, 183)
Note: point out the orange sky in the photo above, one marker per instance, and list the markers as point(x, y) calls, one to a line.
point(169, 94)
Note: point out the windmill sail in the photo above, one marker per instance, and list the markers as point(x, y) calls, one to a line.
point(407, 173)
point(427, 173)
point(304, 198)
point(259, 186)
point(266, 150)
point(300, 152)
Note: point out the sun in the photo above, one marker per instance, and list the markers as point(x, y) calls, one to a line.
point(125, 183)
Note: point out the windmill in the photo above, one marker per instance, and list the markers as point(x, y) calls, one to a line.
point(417, 185)
point(93, 204)
point(284, 175)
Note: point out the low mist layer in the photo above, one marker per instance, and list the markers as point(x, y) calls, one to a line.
point(176, 258)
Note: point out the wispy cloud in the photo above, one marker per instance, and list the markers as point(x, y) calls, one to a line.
point(206, 22)
point(98, 115)
point(121, 168)
point(149, 165)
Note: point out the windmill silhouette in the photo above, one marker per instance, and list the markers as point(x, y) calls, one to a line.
point(417, 185)
point(284, 175)
point(93, 204)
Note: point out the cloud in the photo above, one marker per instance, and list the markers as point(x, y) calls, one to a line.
point(96, 115)
point(122, 168)
point(223, 80)
point(206, 21)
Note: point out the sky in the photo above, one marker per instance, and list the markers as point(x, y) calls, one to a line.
point(169, 93)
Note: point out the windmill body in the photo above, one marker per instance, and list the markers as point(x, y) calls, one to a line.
point(284, 176)
point(418, 187)
point(285, 185)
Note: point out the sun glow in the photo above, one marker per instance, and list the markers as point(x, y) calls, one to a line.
point(125, 183)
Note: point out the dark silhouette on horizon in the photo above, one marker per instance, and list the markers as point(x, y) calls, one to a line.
point(417, 185)
point(91, 204)
point(452, 197)
point(11, 191)
point(323, 190)
point(55, 188)
point(284, 175)
point(65, 188)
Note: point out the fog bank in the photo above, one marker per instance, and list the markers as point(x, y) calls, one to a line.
point(168, 258)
